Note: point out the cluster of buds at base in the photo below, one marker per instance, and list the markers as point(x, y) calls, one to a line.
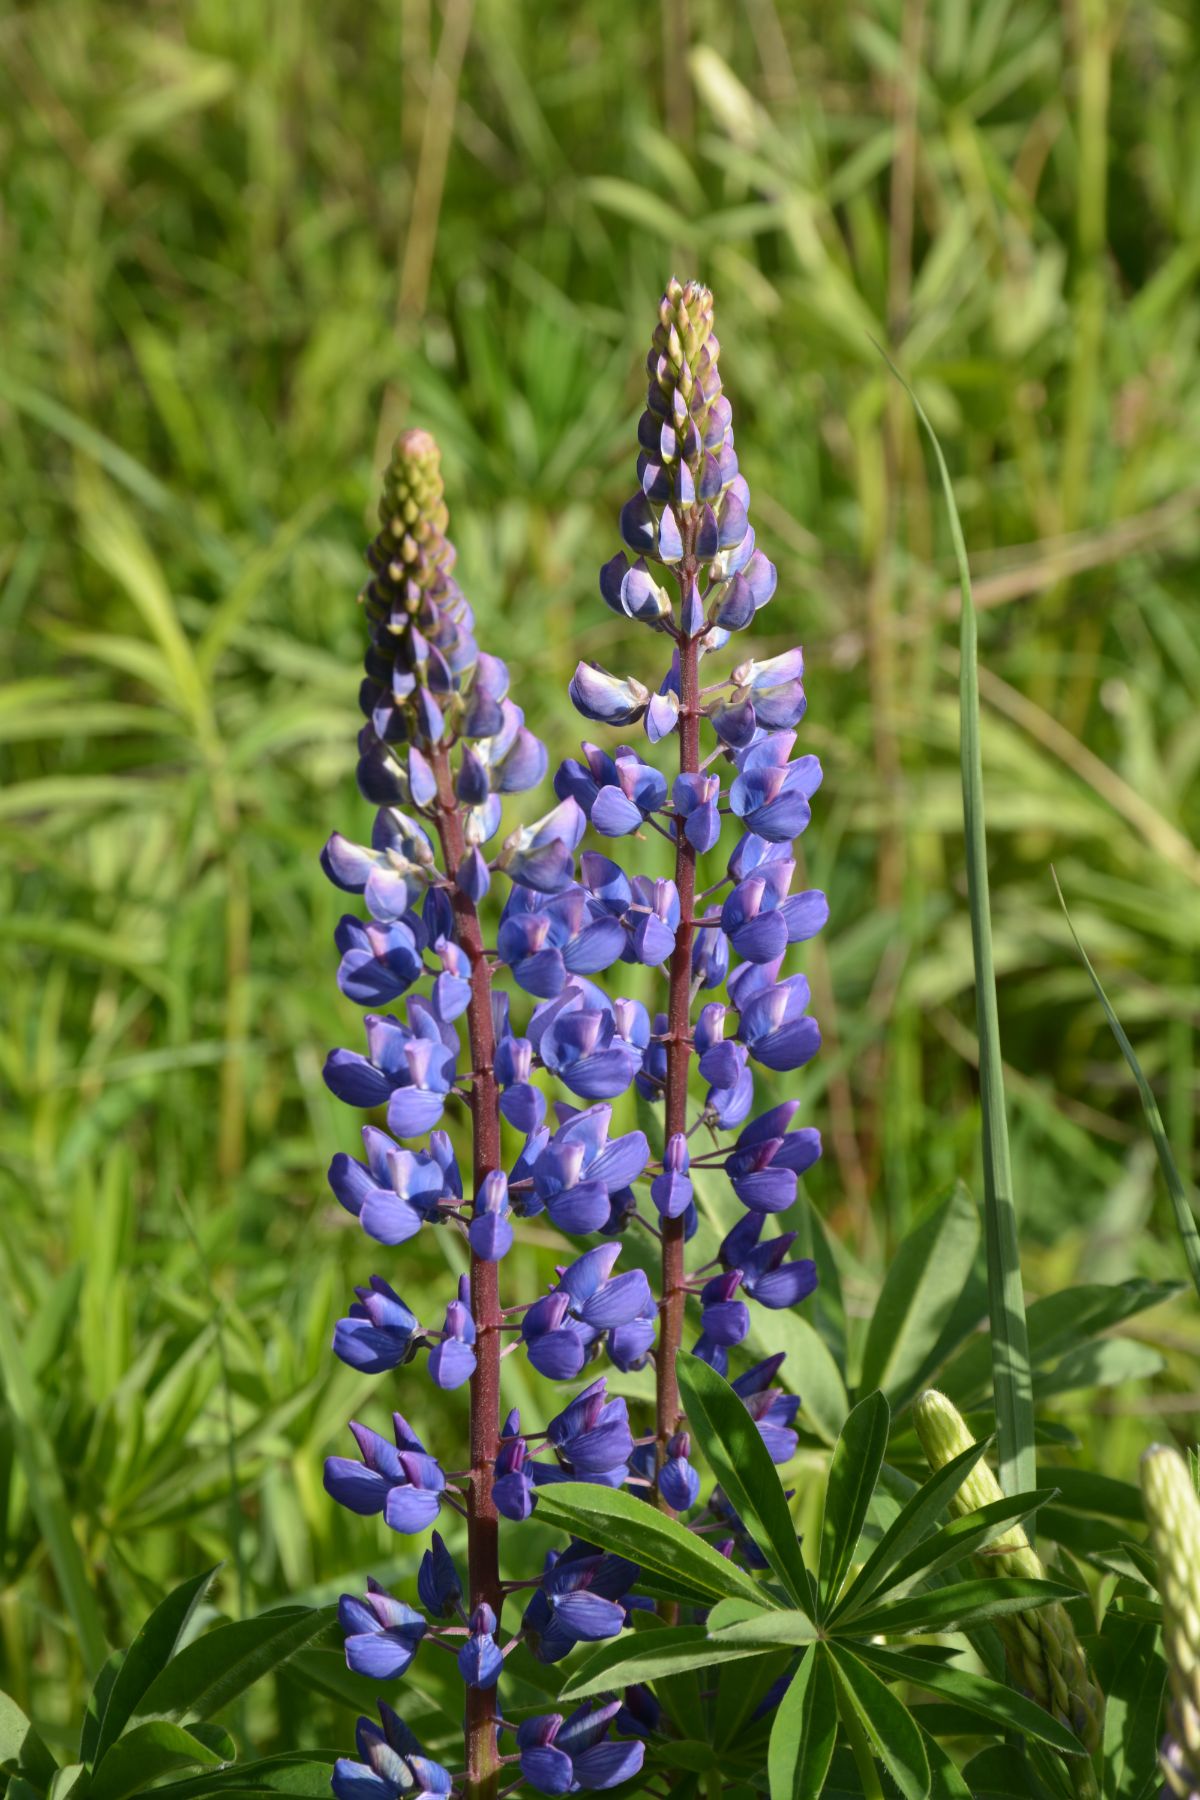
point(1173, 1511)
point(525, 1032)
point(1042, 1648)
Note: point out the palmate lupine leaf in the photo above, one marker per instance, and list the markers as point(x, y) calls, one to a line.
point(1185, 1217)
point(1011, 1378)
point(906, 1531)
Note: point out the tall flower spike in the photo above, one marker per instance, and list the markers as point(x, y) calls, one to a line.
point(1043, 1651)
point(442, 745)
point(1174, 1514)
point(692, 572)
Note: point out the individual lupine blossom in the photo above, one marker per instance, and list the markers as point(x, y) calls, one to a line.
point(1173, 1512)
point(442, 746)
point(392, 1764)
point(1044, 1655)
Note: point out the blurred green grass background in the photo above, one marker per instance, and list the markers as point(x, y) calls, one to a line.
point(244, 242)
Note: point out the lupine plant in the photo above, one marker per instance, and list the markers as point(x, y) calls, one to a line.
point(550, 1052)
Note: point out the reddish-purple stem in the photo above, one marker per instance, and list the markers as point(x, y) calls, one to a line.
point(679, 1035)
point(483, 1529)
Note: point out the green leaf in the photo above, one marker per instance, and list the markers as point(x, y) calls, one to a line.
point(1057, 1324)
point(66, 1780)
point(1011, 1378)
point(733, 1445)
point(22, 1752)
point(616, 1521)
point(964, 1537)
point(765, 1628)
point(97, 1704)
point(214, 1669)
point(895, 1734)
point(923, 1285)
point(148, 1655)
point(945, 1780)
point(1002, 1705)
point(854, 1470)
point(1134, 1677)
point(648, 1656)
point(961, 1605)
point(291, 1772)
point(804, 1733)
point(1107, 1363)
point(50, 1504)
point(147, 1753)
point(907, 1529)
point(1185, 1214)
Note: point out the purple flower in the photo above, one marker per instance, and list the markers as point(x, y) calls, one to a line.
point(771, 794)
point(771, 1409)
point(591, 1437)
point(607, 699)
point(766, 1276)
point(382, 1634)
point(678, 1481)
point(651, 1077)
point(512, 1482)
point(380, 1334)
point(724, 1320)
point(563, 1756)
point(723, 1065)
point(411, 1067)
point(767, 1158)
point(490, 1233)
point(618, 793)
point(695, 798)
point(775, 1027)
point(402, 1482)
point(392, 1764)
point(392, 874)
point(542, 855)
point(646, 909)
point(576, 1174)
point(759, 917)
point(480, 1660)
point(560, 1329)
point(397, 1190)
point(671, 1191)
point(545, 940)
point(582, 1599)
point(453, 1360)
point(592, 1044)
point(379, 962)
point(522, 1104)
point(439, 1588)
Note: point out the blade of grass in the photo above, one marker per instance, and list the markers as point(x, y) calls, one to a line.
point(1011, 1379)
point(1185, 1217)
point(37, 1458)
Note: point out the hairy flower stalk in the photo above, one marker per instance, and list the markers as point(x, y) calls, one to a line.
point(1042, 1649)
point(442, 746)
point(1173, 1511)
